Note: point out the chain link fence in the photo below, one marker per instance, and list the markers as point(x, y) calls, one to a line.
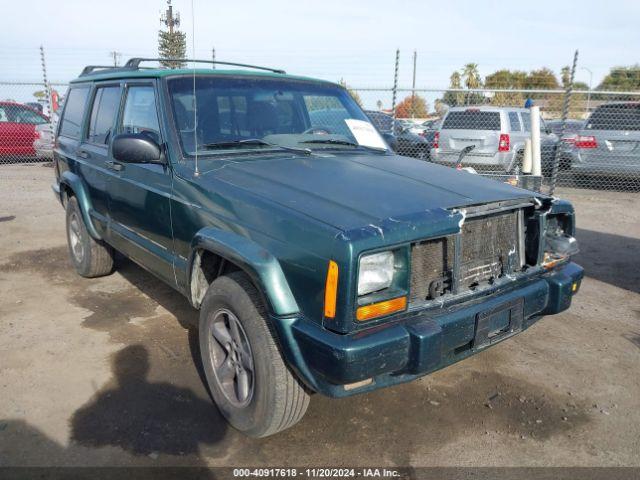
point(28, 112)
point(590, 139)
point(481, 130)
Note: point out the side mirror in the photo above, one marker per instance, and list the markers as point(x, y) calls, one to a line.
point(135, 148)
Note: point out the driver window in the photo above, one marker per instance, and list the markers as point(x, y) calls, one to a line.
point(140, 114)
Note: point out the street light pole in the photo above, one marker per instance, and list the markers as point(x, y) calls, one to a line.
point(589, 92)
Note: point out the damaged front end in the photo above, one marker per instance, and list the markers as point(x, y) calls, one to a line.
point(490, 272)
point(496, 244)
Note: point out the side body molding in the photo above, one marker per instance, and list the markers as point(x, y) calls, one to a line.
point(74, 182)
point(258, 263)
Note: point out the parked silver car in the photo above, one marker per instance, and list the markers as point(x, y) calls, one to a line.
point(43, 143)
point(609, 143)
point(493, 137)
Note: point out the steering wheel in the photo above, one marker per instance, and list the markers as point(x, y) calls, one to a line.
point(317, 130)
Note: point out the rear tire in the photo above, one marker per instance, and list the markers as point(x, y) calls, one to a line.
point(91, 258)
point(247, 376)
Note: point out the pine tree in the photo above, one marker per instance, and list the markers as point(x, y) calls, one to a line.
point(172, 45)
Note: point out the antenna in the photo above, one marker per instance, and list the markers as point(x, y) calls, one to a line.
point(195, 104)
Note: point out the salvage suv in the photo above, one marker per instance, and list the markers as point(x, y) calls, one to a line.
point(319, 260)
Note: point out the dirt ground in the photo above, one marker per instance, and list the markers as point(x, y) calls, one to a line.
point(101, 372)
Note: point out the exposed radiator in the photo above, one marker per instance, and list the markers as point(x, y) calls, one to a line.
point(489, 248)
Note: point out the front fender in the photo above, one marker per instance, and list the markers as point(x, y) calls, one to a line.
point(75, 183)
point(258, 263)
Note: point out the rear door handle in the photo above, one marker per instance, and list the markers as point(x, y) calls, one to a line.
point(83, 154)
point(114, 165)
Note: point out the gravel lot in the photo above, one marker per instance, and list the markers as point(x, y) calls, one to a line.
point(102, 372)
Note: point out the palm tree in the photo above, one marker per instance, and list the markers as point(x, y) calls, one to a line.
point(471, 77)
point(456, 82)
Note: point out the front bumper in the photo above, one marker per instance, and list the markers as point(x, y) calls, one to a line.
point(417, 343)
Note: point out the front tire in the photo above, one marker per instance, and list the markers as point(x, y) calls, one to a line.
point(91, 258)
point(245, 371)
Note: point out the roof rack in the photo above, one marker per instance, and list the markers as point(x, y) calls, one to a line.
point(89, 69)
point(134, 64)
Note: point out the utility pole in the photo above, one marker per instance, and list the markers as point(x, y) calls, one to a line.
point(172, 43)
point(395, 85)
point(47, 85)
point(115, 55)
point(213, 57)
point(413, 86)
point(589, 93)
point(565, 114)
point(169, 19)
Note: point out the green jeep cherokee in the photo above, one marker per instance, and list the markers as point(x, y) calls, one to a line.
point(319, 260)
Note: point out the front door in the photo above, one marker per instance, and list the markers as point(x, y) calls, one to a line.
point(139, 193)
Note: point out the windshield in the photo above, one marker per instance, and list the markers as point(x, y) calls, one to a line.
point(243, 114)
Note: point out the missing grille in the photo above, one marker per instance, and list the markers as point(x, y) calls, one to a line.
point(431, 269)
point(489, 248)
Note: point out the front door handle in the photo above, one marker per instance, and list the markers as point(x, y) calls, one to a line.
point(114, 165)
point(83, 153)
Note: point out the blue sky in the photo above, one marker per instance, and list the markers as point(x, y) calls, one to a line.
point(332, 39)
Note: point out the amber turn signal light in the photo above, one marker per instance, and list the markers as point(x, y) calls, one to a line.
point(331, 290)
point(381, 309)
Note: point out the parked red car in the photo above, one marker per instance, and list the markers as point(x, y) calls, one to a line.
point(18, 130)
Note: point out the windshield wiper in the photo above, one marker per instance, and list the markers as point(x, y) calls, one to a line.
point(252, 141)
point(336, 141)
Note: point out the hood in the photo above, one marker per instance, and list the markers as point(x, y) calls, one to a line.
point(347, 191)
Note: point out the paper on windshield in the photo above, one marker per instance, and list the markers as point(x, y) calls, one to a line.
point(365, 133)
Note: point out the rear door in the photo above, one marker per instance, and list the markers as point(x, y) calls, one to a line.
point(139, 193)
point(471, 127)
point(93, 152)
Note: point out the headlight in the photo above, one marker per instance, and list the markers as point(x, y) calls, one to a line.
point(376, 272)
point(558, 243)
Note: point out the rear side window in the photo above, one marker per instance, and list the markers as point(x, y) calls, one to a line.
point(615, 117)
point(514, 120)
point(73, 112)
point(105, 106)
point(472, 120)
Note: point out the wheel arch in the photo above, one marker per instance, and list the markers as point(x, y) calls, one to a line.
point(72, 185)
point(215, 252)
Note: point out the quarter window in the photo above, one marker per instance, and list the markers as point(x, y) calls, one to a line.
point(105, 107)
point(73, 112)
point(140, 114)
point(514, 121)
